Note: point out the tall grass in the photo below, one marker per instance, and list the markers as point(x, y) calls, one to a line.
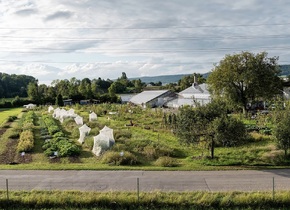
point(148, 200)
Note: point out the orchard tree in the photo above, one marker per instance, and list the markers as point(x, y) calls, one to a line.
point(245, 77)
point(210, 124)
point(281, 129)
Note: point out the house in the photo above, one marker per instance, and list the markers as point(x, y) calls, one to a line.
point(152, 98)
point(193, 95)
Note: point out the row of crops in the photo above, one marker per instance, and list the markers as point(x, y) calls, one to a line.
point(55, 140)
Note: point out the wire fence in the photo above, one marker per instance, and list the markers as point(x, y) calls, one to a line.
point(146, 185)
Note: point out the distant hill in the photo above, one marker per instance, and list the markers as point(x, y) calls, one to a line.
point(285, 70)
point(165, 79)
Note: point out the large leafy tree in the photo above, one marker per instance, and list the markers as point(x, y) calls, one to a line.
point(244, 78)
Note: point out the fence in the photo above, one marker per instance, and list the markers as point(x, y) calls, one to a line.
point(146, 181)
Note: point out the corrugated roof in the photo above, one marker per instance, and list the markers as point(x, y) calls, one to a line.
point(146, 96)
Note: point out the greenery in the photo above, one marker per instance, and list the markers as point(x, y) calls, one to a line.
point(211, 125)
point(147, 200)
point(14, 85)
point(150, 143)
point(245, 78)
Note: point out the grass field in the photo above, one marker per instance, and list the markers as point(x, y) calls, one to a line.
point(5, 113)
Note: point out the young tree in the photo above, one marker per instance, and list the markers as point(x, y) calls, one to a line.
point(281, 130)
point(245, 77)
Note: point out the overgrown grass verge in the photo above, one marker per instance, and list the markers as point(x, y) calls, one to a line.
point(148, 200)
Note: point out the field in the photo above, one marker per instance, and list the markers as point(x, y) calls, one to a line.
point(142, 142)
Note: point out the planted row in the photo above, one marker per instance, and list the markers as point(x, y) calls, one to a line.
point(26, 138)
point(59, 144)
point(26, 141)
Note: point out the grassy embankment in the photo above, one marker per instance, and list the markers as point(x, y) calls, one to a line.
point(152, 200)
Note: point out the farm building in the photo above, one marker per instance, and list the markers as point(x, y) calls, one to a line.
point(195, 94)
point(150, 99)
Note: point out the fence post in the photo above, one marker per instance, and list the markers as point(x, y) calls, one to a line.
point(138, 190)
point(273, 193)
point(7, 189)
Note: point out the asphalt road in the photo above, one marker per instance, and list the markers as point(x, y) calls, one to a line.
point(212, 181)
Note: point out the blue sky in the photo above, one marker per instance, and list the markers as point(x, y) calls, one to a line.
point(61, 39)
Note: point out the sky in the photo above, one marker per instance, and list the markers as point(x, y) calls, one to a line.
point(61, 39)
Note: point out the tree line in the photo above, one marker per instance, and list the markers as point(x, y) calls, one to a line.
point(23, 86)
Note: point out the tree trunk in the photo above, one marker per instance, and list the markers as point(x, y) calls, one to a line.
point(212, 148)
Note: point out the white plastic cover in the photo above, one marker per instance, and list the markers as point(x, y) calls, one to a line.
point(103, 141)
point(50, 108)
point(79, 120)
point(84, 130)
point(92, 116)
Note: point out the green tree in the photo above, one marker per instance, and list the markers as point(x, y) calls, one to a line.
point(117, 87)
point(245, 77)
point(195, 125)
point(229, 131)
point(32, 91)
point(59, 100)
point(281, 130)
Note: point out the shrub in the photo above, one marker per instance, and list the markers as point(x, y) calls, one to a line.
point(11, 118)
point(166, 162)
point(115, 158)
point(122, 135)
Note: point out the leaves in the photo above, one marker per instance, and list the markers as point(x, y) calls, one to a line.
point(245, 77)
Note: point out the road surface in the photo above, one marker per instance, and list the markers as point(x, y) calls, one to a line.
point(211, 181)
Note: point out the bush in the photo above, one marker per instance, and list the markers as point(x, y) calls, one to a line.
point(11, 118)
point(122, 135)
point(115, 158)
point(166, 162)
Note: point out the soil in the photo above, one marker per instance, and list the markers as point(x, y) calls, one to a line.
point(74, 160)
point(27, 158)
point(8, 156)
point(2, 130)
point(54, 159)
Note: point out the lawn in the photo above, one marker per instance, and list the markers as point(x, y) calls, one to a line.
point(5, 113)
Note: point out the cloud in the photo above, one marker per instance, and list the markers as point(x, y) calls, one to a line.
point(26, 12)
point(61, 39)
point(58, 15)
